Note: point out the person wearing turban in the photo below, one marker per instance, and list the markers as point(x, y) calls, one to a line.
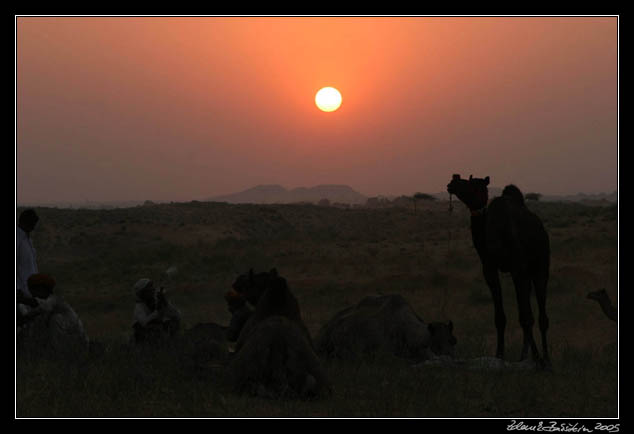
point(154, 315)
point(52, 325)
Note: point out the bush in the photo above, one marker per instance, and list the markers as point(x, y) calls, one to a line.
point(533, 196)
point(424, 196)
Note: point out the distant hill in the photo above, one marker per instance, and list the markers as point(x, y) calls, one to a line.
point(277, 194)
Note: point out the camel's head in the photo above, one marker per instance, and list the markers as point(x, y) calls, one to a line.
point(252, 285)
point(442, 341)
point(473, 192)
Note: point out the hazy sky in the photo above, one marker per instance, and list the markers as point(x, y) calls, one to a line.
point(177, 108)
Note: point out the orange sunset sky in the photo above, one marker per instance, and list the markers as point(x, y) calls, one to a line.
point(184, 108)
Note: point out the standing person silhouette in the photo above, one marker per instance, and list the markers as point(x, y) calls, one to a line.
point(26, 263)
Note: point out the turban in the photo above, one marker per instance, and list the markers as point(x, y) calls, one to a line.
point(141, 284)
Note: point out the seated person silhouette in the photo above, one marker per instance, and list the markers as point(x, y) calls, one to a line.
point(155, 318)
point(240, 314)
point(49, 323)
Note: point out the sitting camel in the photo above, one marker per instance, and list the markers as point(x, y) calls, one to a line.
point(252, 289)
point(383, 324)
point(275, 299)
point(274, 355)
point(602, 297)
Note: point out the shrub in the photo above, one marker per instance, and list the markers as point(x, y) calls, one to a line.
point(533, 196)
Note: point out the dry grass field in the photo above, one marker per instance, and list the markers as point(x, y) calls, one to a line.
point(331, 258)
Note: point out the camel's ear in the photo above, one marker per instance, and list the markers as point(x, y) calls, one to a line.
point(450, 325)
point(470, 176)
point(486, 180)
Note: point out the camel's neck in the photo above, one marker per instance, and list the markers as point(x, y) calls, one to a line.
point(478, 231)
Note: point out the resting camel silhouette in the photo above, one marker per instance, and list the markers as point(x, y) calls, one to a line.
point(509, 238)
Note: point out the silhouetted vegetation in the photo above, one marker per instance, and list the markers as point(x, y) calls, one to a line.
point(533, 196)
point(424, 196)
point(421, 196)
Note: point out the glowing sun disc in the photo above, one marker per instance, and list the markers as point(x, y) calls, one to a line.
point(328, 99)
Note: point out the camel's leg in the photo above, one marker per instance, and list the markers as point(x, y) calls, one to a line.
point(493, 281)
point(523, 290)
point(540, 282)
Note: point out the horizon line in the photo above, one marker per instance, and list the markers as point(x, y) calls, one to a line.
point(210, 198)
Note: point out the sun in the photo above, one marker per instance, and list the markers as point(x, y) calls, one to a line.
point(328, 99)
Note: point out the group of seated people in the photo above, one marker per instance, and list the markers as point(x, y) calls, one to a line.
point(45, 321)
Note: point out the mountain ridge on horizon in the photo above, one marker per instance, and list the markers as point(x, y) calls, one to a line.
point(275, 193)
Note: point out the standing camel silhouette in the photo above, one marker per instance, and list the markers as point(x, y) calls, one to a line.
point(509, 238)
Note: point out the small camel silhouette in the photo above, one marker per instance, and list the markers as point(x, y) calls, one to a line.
point(509, 238)
point(602, 297)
